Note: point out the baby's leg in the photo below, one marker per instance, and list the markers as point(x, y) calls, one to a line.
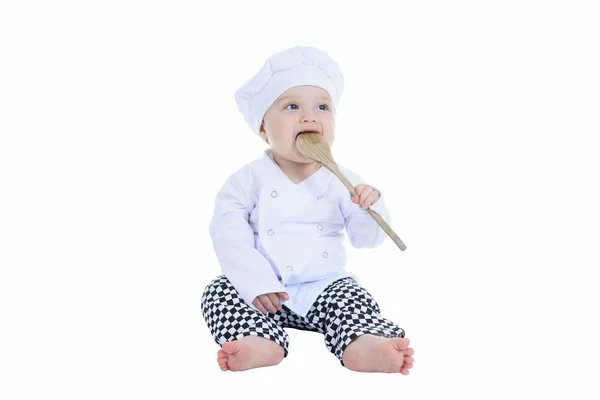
point(356, 332)
point(248, 338)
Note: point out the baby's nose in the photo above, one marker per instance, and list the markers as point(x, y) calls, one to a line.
point(309, 118)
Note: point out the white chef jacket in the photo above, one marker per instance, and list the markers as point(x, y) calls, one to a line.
point(273, 235)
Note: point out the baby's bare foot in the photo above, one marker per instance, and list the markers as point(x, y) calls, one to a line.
point(249, 352)
point(370, 353)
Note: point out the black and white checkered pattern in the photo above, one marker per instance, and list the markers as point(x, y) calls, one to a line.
point(342, 312)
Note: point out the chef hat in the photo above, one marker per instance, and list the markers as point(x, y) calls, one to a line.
point(296, 66)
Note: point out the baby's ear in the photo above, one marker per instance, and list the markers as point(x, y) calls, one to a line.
point(263, 133)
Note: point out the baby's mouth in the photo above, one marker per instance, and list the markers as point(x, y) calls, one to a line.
point(300, 133)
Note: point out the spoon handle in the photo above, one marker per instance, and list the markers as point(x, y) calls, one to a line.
point(384, 225)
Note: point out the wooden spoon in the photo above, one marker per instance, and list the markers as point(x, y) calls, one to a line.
point(312, 146)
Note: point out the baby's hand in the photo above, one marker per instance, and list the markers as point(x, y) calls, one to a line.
point(365, 196)
point(270, 302)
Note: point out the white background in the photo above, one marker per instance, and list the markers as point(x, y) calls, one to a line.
point(118, 126)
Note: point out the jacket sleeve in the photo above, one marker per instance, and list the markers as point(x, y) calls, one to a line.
point(233, 240)
point(362, 229)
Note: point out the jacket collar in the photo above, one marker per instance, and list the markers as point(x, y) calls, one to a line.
point(318, 181)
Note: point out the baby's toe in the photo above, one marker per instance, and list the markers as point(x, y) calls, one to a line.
point(233, 363)
point(223, 364)
point(230, 347)
point(400, 344)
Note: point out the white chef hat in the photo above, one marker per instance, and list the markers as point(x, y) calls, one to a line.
point(296, 66)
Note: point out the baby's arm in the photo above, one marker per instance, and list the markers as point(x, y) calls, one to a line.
point(233, 240)
point(363, 230)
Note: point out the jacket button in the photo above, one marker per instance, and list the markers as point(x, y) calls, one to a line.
point(270, 233)
point(273, 194)
point(319, 198)
point(290, 268)
point(325, 255)
point(320, 227)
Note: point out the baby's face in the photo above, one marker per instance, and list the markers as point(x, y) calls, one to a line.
point(298, 109)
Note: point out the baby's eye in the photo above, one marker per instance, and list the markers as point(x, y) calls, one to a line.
point(324, 105)
point(293, 104)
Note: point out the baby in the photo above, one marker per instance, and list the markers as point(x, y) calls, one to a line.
point(278, 230)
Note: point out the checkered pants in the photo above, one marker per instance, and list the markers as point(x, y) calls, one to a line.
point(342, 312)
